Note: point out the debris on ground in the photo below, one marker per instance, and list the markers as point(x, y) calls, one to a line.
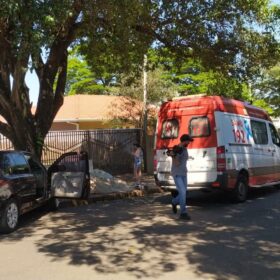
point(103, 182)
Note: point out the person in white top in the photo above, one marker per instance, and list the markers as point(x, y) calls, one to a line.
point(138, 160)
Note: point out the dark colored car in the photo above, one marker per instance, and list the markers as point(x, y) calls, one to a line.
point(26, 184)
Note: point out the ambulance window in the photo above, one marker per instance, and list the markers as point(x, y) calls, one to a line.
point(274, 135)
point(170, 129)
point(199, 127)
point(259, 132)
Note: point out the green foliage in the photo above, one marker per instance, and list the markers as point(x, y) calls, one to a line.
point(165, 80)
point(36, 23)
point(158, 87)
point(193, 78)
point(264, 105)
point(80, 79)
point(268, 89)
point(115, 43)
point(220, 36)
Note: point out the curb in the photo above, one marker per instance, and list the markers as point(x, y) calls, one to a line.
point(107, 197)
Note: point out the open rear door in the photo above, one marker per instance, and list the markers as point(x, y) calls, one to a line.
point(69, 176)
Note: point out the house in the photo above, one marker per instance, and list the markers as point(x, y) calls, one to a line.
point(86, 112)
point(82, 112)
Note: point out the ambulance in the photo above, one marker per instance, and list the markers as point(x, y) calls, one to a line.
point(235, 147)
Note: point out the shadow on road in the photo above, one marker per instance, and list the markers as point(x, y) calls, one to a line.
point(142, 238)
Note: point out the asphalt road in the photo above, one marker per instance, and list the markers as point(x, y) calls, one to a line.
point(139, 238)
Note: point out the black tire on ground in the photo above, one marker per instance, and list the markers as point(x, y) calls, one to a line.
point(240, 192)
point(9, 217)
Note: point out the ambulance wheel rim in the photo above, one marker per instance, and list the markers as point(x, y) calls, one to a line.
point(241, 189)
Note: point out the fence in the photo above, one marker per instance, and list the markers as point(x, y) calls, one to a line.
point(109, 149)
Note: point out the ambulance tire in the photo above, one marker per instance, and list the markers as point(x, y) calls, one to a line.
point(240, 191)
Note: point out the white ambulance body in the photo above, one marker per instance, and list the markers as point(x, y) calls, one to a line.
point(236, 145)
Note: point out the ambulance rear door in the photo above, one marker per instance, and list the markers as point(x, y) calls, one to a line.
point(202, 151)
point(167, 136)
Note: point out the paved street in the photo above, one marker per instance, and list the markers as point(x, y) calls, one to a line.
point(139, 238)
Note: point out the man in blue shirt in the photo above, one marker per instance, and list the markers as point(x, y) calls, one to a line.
point(179, 174)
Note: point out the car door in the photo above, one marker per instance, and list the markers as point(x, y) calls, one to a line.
point(40, 174)
point(275, 150)
point(263, 159)
point(23, 181)
point(69, 176)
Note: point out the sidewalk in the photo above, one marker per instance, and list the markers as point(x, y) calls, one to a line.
point(124, 186)
point(118, 187)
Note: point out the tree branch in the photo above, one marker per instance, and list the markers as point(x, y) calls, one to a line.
point(6, 130)
point(5, 108)
point(60, 86)
point(5, 63)
point(19, 86)
point(55, 67)
point(38, 64)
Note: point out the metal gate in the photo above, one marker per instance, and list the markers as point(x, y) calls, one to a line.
point(109, 149)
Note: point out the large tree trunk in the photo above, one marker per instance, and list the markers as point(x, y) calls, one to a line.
point(26, 130)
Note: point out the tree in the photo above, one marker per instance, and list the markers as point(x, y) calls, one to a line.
point(165, 80)
point(82, 80)
point(37, 35)
point(268, 89)
point(193, 78)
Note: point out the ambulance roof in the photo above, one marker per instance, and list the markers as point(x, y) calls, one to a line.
point(194, 104)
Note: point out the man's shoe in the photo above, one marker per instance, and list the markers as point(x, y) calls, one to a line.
point(174, 208)
point(185, 216)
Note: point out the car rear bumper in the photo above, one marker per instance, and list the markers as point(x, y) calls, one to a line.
point(221, 182)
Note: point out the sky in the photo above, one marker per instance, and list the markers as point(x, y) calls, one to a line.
point(33, 82)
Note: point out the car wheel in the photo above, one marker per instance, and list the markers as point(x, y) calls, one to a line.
point(240, 191)
point(9, 217)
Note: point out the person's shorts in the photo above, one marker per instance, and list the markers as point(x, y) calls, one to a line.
point(137, 163)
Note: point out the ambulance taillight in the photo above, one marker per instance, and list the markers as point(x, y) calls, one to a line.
point(221, 159)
